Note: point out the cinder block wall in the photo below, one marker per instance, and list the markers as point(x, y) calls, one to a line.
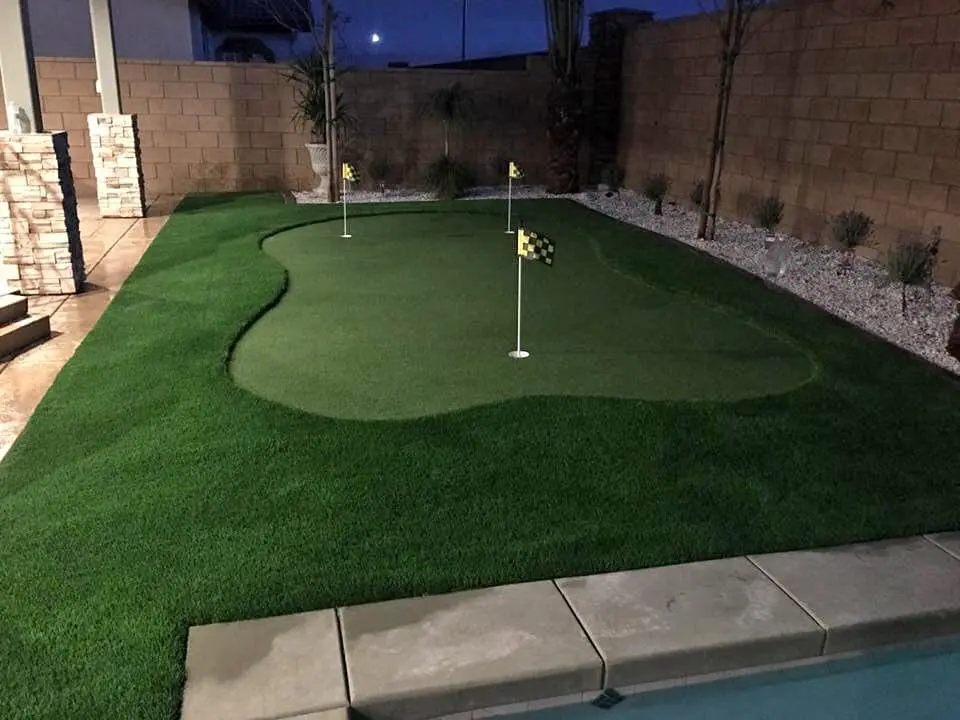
point(224, 126)
point(834, 107)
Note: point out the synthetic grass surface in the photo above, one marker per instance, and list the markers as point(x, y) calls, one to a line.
point(149, 492)
point(414, 315)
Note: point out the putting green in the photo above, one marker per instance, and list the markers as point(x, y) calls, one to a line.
point(415, 314)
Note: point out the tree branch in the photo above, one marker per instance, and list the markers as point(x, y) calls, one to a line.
point(714, 12)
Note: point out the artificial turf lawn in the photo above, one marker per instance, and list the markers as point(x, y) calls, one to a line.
point(415, 314)
point(149, 492)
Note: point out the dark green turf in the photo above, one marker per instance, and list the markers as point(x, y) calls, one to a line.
point(149, 492)
point(414, 315)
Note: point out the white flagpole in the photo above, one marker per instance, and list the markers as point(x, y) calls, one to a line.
point(518, 353)
point(509, 200)
point(345, 233)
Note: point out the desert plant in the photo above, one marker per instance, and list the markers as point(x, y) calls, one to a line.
point(378, 169)
point(850, 229)
point(768, 213)
point(448, 179)
point(696, 194)
point(453, 106)
point(655, 187)
point(911, 263)
point(310, 111)
point(612, 176)
point(500, 165)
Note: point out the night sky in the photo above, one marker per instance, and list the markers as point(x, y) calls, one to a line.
point(431, 32)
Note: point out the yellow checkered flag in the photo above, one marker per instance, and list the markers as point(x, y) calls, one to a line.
point(530, 246)
point(349, 173)
point(515, 172)
point(534, 246)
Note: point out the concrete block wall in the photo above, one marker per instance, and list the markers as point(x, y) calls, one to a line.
point(835, 106)
point(224, 126)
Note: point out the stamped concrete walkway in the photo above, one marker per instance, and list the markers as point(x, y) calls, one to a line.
point(111, 249)
point(512, 649)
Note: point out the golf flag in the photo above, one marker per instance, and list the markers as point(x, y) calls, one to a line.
point(534, 246)
point(515, 172)
point(350, 174)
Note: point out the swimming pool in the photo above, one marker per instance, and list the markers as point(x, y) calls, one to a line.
point(903, 684)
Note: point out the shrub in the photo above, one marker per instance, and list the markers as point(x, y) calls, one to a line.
point(500, 165)
point(378, 170)
point(768, 213)
point(655, 187)
point(911, 263)
point(696, 194)
point(448, 179)
point(612, 176)
point(852, 228)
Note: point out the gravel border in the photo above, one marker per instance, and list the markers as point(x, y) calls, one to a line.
point(861, 296)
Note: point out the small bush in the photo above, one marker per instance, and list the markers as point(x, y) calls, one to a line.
point(612, 176)
point(696, 194)
point(911, 263)
point(448, 179)
point(768, 213)
point(852, 228)
point(378, 170)
point(655, 187)
point(500, 166)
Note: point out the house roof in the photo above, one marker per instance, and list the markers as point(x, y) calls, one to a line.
point(278, 16)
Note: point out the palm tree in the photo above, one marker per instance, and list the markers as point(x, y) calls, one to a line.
point(565, 101)
point(452, 106)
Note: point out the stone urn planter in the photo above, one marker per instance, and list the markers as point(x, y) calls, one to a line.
point(320, 162)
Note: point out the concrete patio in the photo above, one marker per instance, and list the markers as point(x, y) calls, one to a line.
point(111, 247)
point(512, 649)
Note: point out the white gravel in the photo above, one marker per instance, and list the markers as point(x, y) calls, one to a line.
point(860, 296)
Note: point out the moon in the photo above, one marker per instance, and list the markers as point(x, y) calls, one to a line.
point(375, 39)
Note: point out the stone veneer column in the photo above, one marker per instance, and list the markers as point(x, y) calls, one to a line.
point(39, 228)
point(115, 143)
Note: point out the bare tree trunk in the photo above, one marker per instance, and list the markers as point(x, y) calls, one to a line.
point(330, 101)
point(721, 152)
point(707, 200)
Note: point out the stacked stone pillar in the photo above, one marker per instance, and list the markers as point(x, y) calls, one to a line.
point(115, 143)
point(39, 228)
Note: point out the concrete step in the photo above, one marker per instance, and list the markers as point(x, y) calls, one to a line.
point(22, 333)
point(12, 307)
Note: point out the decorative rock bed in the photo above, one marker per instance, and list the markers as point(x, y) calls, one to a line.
point(860, 296)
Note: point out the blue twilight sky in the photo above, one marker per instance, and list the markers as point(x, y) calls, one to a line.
point(426, 31)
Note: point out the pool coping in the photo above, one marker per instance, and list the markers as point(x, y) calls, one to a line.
point(522, 647)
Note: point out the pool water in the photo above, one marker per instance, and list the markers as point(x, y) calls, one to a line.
point(917, 684)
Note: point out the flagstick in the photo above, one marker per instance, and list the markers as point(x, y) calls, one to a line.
point(519, 354)
point(345, 233)
point(509, 199)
